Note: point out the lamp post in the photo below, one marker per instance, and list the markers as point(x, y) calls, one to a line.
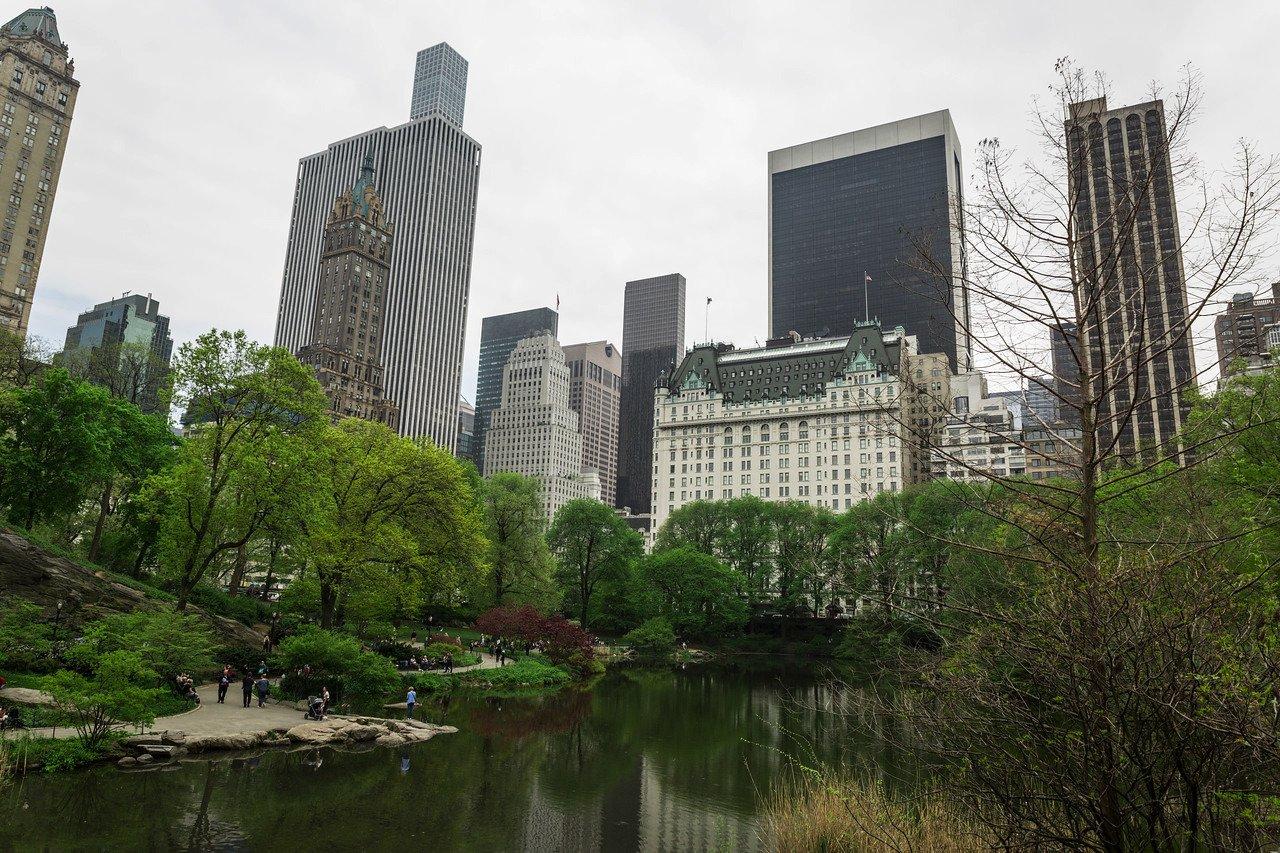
point(57, 619)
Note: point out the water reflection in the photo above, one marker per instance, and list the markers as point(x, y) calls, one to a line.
point(645, 760)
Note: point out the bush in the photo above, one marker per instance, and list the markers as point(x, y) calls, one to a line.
point(524, 673)
point(167, 642)
point(444, 639)
point(25, 636)
point(439, 650)
point(242, 608)
point(60, 754)
point(395, 650)
point(338, 662)
point(116, 693)
point(653, 640)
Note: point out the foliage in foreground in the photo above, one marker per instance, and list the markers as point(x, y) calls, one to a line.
point(653, 640)
point(825, 813)
point(336, 661)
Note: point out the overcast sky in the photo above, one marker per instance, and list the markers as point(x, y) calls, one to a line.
point(621, 140)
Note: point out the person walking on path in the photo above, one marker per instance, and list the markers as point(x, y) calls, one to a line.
point(411, 700)
point(448, 663)
point(324, 698)
point(263, 687)
point(223, 683)
point(246, 685)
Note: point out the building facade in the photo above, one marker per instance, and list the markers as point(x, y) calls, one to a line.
point(653, 314)
point(124, 343)
point(36, 119)
point(824, 421)
point(466, 430)
point(868, 203)
point(981, 438)
point(1137, 337)
point(439, 84)
point(428, 171)
point(595, 392)
point(533, 431)
point(345, 346)
point(1241, 329)
point(499, 335)
point(1052, 452)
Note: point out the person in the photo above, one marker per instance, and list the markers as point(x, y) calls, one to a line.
point(246, 684)
point(262, 668)
point(324, 699)
point(411, 700)
point(413, 638)
point(223, 683)
point(266, 643)
point(263, 686)
point(448, 663)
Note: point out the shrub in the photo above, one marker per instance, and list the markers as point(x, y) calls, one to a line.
point(526, 672)
point(338, 662)
point(444, 639)
point(654, 639)
point(522, 623)
point(54, 755)
point(395, 650)
point(25, 636)
point(242, 608)
point(116, 693)
point(166, 642)
point(439, 650)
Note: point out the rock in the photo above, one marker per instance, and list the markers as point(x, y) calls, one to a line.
point(391, 739)
point(135, 741)
point(24, 696)
point(164, 752)
point(145, 758)
point(361, 732)
point(174, 738)
point(213, 743)
point(127, 761)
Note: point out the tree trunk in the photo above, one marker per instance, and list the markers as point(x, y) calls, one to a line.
point(238, 570)
point(104, 509)
point(328, 605)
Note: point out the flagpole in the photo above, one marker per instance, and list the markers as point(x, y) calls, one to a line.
point(866, 301)
point(706, 321)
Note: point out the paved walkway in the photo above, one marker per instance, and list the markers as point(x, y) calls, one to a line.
point(209, 718)
point(487, 661)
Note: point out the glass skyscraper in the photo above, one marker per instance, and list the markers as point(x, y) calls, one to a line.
point(875, 202)
point(499, 335)
point(439, 84)
point(652, 341)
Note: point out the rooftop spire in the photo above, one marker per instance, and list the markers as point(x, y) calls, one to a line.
point(34, 22)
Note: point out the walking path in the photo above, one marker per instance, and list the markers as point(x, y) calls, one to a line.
point(487, 661)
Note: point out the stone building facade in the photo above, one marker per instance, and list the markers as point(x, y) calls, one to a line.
point(824, 421)
point(533, 431)
point(39, 99)
point(595, 392)
point(348, 325)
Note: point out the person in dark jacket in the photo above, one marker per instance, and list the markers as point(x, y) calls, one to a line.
point(263, 687)
point(224, 682)
point(246, 684)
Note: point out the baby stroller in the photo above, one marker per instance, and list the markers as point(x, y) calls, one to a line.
point(315, 708)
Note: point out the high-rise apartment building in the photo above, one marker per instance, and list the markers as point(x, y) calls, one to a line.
point(36, 118)
point(595, 392)
point(124, 344)
point(884, 203)
point(652, 342)
point(1241, 329)
point(345, 346)
point(1137, 337)
point(428, 171)
point(499, 335)
point(466, 430)
point(533, 431)
point(439, 84)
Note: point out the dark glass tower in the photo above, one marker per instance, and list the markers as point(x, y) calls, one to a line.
point(874, 202)
point(123, 345)
point(1136, 336)
point(652, 341)
point(499, 335)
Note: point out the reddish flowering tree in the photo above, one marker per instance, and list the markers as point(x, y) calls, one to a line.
point(522, 623)
point(564, 643)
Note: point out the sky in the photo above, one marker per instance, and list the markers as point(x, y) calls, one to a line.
point(621, 140)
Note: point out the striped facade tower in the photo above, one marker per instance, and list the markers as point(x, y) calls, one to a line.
point(428, 170)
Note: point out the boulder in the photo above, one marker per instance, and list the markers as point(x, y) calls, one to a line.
point(138, 741)
point(391, 739)
point(174, 738)
point(24, 696)
point(164, 752)
point(127, 761)
point(213, 743)
point(144, 758)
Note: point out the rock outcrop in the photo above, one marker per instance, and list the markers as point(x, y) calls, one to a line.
point(31, 573)
point(331, 731)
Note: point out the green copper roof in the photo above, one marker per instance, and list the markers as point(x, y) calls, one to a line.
point(41, 22)
point(365, 180)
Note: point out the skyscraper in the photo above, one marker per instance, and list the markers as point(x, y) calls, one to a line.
point(652, 341)
point(1241, 329)
point(427, 176)
point(439, 84)
point(123, 344)
point(533, 431)
point(1066, 372)
point(345, 348)
point(1137, 336)
point(499, 335)
point(38, 103)
point(863, 204)
point(466, 430)
point(595, 390)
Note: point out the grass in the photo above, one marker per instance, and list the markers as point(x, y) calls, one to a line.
point(827, 812)
point(525, 675)
point(26, 752)
point(166, 705)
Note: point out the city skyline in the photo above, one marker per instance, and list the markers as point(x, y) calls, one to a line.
point(520, 254)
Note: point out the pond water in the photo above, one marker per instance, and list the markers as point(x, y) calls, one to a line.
point(679, 759)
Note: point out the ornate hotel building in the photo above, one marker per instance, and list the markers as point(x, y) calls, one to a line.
point(345, 346)
point(38, 102)
point(533, 431)
point(826, 421)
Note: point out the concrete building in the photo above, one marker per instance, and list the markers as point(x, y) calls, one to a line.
point(499, 335)
point(428, 171)
point(133, 336)
point(863, 204)
point(1041, 404)
point(1139, 335)
point(1241, 330)
point(981, 438)
point(347, 329)
point(439, 84)
point(533, 431)
point(825, 421)
point(466, 430)
point(34, 125)
point(1052, 451)
point(652, 341)
point(595, 392)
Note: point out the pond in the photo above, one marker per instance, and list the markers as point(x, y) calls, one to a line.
point(678, 759)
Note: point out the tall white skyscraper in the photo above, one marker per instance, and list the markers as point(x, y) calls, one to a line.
point(439, 84)
point(428, 170)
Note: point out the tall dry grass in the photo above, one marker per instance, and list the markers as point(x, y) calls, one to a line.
point(824, 813)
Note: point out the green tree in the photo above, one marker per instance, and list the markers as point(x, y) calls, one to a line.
point(520, 565)
point(121, 690)
point(802, 569)
point(168, 642)
point(255, 415)
point(25, 635)
point(22, 359)
point(591, 544)
point(131, 371)
point(139, 445)
point(653, 640)
point(700, 596)
point(700, 524)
